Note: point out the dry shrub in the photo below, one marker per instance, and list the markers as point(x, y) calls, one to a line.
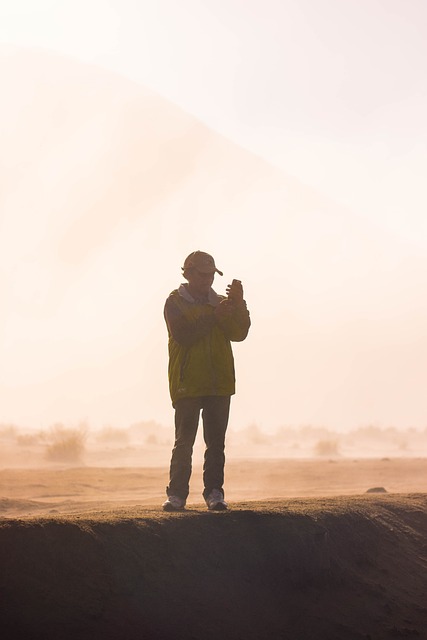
point(27, 439)
point(326, 448)
point(112, 435)
point(7, 431)
point(67, 445)
point(254, 435)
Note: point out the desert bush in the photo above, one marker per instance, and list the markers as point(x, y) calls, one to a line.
point(403, 445)
point(7, 431)
point(140, 431)
point(27, 439)
point(326, 448)
point(68, 444)
point(112, 435)
point(254, 435)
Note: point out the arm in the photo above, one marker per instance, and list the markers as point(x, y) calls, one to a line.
point(184, 331)
point(234, 320)
point(232, 314)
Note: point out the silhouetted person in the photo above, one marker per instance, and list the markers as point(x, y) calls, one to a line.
point(201, 325)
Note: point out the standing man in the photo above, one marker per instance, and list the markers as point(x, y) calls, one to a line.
point(201, 325)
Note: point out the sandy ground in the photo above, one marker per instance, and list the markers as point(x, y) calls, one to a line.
point(70, 490)
point(304, 553)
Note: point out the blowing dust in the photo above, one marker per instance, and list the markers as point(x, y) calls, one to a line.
point(148, 444)
point(72, 469)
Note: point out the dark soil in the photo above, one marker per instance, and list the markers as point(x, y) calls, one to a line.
point(309, 569)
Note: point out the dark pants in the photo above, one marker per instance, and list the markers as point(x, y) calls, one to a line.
point(215, 411)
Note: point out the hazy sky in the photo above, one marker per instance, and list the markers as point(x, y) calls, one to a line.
point(332, 255)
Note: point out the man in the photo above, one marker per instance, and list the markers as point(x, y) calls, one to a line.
point(201, 325)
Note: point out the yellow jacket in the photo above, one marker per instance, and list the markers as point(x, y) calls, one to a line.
point(200, 356)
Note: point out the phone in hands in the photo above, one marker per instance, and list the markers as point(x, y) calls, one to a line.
point(235, 291)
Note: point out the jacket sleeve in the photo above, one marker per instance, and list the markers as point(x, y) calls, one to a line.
point(236, 326)
point(184, 331)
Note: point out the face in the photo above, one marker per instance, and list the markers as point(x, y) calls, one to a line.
point(200, 283)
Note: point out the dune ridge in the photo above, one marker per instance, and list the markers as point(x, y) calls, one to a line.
point(341, 567)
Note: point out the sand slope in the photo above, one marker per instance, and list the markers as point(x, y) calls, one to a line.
point(319, 568)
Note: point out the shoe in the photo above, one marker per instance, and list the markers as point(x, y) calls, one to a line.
point(215, 501)
point(174, 503)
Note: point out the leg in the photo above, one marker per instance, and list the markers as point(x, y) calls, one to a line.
point(187, 411)
point(215, 414)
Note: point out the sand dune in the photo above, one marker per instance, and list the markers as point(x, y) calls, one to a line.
point(87, 552)
point(105, 177)
point(330, 568)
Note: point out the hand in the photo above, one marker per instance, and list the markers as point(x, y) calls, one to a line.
point(235, 292)
point(223, 310)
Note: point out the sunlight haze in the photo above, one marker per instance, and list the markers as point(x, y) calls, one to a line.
point(288, 139)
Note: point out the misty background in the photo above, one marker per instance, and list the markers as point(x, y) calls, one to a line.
point(286, 138)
